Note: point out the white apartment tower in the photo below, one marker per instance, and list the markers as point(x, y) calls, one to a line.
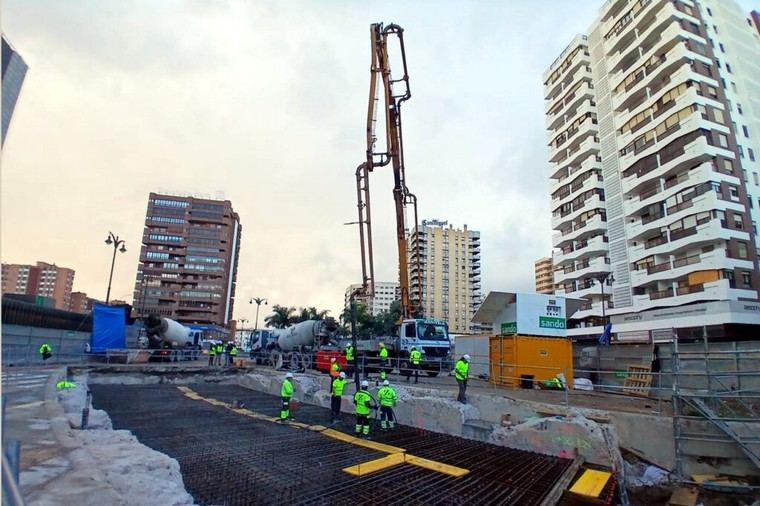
point(653, 128)
point(449, 275)
point(386, 293)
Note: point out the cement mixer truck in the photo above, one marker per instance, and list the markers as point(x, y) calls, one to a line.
point(292, 347)
point(171, 340)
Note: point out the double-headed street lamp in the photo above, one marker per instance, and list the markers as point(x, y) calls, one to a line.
point(258, 301)
point(605, 278)
point(116, 242)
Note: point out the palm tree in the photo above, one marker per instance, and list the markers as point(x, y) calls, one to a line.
point(310, 313)
point(281, 317)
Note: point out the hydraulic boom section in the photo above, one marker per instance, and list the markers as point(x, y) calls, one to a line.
point(396, 92)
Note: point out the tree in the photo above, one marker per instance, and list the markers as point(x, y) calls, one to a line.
point(281, 317)
point(369, 325)
point(310, 313)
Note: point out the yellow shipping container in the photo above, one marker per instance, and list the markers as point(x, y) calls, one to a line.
point(540, 357)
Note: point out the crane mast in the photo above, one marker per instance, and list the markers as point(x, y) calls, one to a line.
point(380, 77)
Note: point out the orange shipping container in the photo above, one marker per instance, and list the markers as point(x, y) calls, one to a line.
point(540, 357)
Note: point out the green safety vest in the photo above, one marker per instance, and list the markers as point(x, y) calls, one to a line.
point(416, 357)
point(233, 351)
point(363, 401)
point(386, 396)
point(350, 354)
point(287, 388)
point(338, 385)
point(383, 352)
point(461, 369)
point(212, 350)
point(46, 348)
point(64, 384)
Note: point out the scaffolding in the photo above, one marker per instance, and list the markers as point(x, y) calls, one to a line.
point(709, 385)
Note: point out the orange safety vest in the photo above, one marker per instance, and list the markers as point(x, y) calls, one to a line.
point(335, 369)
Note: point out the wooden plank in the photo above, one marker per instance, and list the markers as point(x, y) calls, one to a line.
point(555, 494)
point(591, 483)
point(372, 466)
point(439, 467)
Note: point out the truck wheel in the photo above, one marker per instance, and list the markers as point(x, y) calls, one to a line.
point(306, 360)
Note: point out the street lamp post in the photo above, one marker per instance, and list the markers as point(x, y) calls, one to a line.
point(258, 301)
point(602, 279)
point(116, 242)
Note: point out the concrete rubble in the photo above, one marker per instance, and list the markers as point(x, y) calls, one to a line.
point(101, 465)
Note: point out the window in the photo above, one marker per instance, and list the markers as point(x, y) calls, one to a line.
point(751, 154)
point(722, 140)
point(738, 222)
point(733, 193)
point(745, 130)
point(746, 279)
point(723, 83)
point(717, 62)
point(709, 12)
point(733, 86)
point(739, 108)
point(754, 226)
point(728, 67)
point(715, 28)
point(741, 249)
point(719, 116)
point(756, 179)
point(741, 150)
point(712, 92)
point(722, 49)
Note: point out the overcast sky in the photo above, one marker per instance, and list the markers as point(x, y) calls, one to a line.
point(265, 102)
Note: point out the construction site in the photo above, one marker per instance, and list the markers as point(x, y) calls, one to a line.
point(156, 412)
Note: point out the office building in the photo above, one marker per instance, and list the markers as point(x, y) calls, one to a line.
point(14, 71)
point(188, 260)
point(447, 281)
point(43, 279)
point(386, 293)
point(653, 130)
point(544, 270)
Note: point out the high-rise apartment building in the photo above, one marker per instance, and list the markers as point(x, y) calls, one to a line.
point(544, 269)
point(14, 71)
point(449, 274)
point(81, 303)
point(43, 279)
point(386, 293)
point(653, 128)
point(189, 259)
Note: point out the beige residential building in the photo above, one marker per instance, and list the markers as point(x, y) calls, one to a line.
point(544, 269)
point(44, 279)
point(653, 132)
point(448, 279)
point(386, 293)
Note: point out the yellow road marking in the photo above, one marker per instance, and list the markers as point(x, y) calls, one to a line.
point(591, 483)
point(391, 460)
point(439, 467)
point(395, 455)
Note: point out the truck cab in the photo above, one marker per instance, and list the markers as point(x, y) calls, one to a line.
point(429, 336)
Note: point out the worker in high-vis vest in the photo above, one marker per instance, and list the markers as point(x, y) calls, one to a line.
point(286, 392)
point(334, 370)
point(233, 353)
point(350, 360)
point(46, 351)
point(386, 396)
point(383, 354)
point(338, 386)
point(211, 354)
point(461, 371)
point(415, 359)
point(364, 404)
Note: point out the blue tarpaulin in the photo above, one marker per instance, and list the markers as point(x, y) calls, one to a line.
point(108, 328)
point(604, 339)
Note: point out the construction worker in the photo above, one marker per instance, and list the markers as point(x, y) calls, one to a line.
point(46, 351)
point(233, 353)
point(286, 392)
point(350, 356)
point(386, 396)
point(334, 370)
point(219, 353)
point(65, 384)
point(383, 354)
point(338, 385)
point(364, 404)
point(461, 369)
point(211, 354)
point(415, 358)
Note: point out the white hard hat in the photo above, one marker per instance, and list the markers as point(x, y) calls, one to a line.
point(365, 384)
point(386, 383)
point(289, 375)
point(343, 375)
point(332, 359)
point(467, 357)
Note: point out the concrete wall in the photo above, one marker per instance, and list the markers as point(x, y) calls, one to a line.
point(21, 345)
